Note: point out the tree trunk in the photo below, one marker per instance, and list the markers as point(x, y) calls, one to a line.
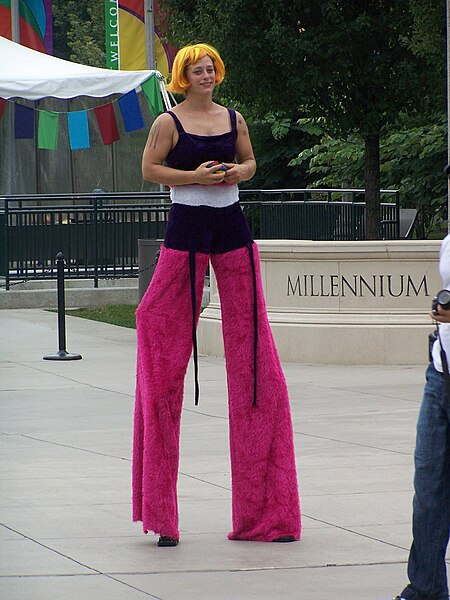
point(372, 186)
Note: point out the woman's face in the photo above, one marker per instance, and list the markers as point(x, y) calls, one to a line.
point(201, 75)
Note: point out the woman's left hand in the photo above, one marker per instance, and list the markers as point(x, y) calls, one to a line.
point(236, 173)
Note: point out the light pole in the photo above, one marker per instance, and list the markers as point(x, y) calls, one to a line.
point(15, 21)
point(150, 57)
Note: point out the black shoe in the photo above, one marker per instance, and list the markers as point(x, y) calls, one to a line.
point(284, 539)
point(165, 541)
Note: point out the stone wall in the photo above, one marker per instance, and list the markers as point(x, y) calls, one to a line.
point(342, 302)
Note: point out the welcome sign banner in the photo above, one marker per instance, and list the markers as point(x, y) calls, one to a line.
point(112, 34)
point(125, 37)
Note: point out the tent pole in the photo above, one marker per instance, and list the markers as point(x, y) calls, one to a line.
point(150, 57)
point(37, 160)
point(15, 21)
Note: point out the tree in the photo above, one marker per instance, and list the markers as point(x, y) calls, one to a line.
point(79, 31)
point(276, 140)
point(412, 156)
point(356, 64)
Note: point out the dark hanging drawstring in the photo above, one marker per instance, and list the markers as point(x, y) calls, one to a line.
point(192, 275)
point(255, 321)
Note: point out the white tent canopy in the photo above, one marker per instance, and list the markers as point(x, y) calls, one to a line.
point(32, 75)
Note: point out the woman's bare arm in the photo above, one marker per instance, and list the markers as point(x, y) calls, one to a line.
point(245, 167)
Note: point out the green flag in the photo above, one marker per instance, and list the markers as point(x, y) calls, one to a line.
point(151, 90)
point(48, 130)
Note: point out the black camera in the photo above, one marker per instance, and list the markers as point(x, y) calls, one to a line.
point(442, 298)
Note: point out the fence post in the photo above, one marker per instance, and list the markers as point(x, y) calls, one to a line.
point(62, 353)
point(6, 244)
point(397, 215)
point(96, 243)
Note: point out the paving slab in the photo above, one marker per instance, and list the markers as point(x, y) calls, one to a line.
point(74, 587)
point(320, 583)
point(65, 472)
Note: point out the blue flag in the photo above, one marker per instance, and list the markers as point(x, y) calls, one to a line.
point(131, 111)
point(23, 122)
point(78, 130)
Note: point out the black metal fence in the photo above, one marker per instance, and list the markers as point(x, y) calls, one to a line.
point(98, 233)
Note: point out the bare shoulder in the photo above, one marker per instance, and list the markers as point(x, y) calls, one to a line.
point(162, 125)
point(164, 120)
point(241, 124)
point(239, 117)
point(161, 134)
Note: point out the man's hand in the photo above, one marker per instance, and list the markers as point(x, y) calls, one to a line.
point(442, 315)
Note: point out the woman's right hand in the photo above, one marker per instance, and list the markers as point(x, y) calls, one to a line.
point(209, 175)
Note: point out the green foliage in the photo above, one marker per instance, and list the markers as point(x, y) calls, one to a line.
point(353, 63)
point(412, 158)
point(428, 37)
point(79, 31)
point(276, 140)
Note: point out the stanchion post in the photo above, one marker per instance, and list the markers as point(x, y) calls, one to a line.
point(62, 353)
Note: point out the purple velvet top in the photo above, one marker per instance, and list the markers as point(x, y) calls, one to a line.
point(192, 150)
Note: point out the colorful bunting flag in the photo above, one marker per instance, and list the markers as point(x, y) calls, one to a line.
point(78, 130)
point(48, 129)
point(107, 123)
point(78, 127)
point(151, 90)
point(23, 122)
point(131, 111)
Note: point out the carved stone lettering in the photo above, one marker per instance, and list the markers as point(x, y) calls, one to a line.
point(357, 286)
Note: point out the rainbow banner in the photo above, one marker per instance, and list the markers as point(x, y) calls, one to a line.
point(36, 23)
point(125, 37)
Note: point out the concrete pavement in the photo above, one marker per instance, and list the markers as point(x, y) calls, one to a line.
point(66, 429)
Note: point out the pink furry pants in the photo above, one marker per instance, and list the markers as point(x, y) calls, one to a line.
point(265, 501)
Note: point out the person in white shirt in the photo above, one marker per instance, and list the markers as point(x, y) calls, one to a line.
point(427, 570)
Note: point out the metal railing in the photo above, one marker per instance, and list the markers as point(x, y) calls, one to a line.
point(98, 233)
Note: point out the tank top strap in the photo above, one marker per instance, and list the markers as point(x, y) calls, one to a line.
point(178, 124)
point(232, 119)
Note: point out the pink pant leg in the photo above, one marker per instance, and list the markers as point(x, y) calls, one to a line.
point(164, 344)
point(264, 478)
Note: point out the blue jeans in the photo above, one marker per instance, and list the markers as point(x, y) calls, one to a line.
point(431, 506)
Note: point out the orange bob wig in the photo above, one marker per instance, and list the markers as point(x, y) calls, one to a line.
point(188, 56)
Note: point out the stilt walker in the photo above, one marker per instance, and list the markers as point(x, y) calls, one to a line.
point(203, 150)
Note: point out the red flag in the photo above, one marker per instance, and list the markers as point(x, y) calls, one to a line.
point(107, 123)
point(2, 107)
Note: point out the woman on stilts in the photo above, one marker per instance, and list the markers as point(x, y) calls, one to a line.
point(202, 151)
